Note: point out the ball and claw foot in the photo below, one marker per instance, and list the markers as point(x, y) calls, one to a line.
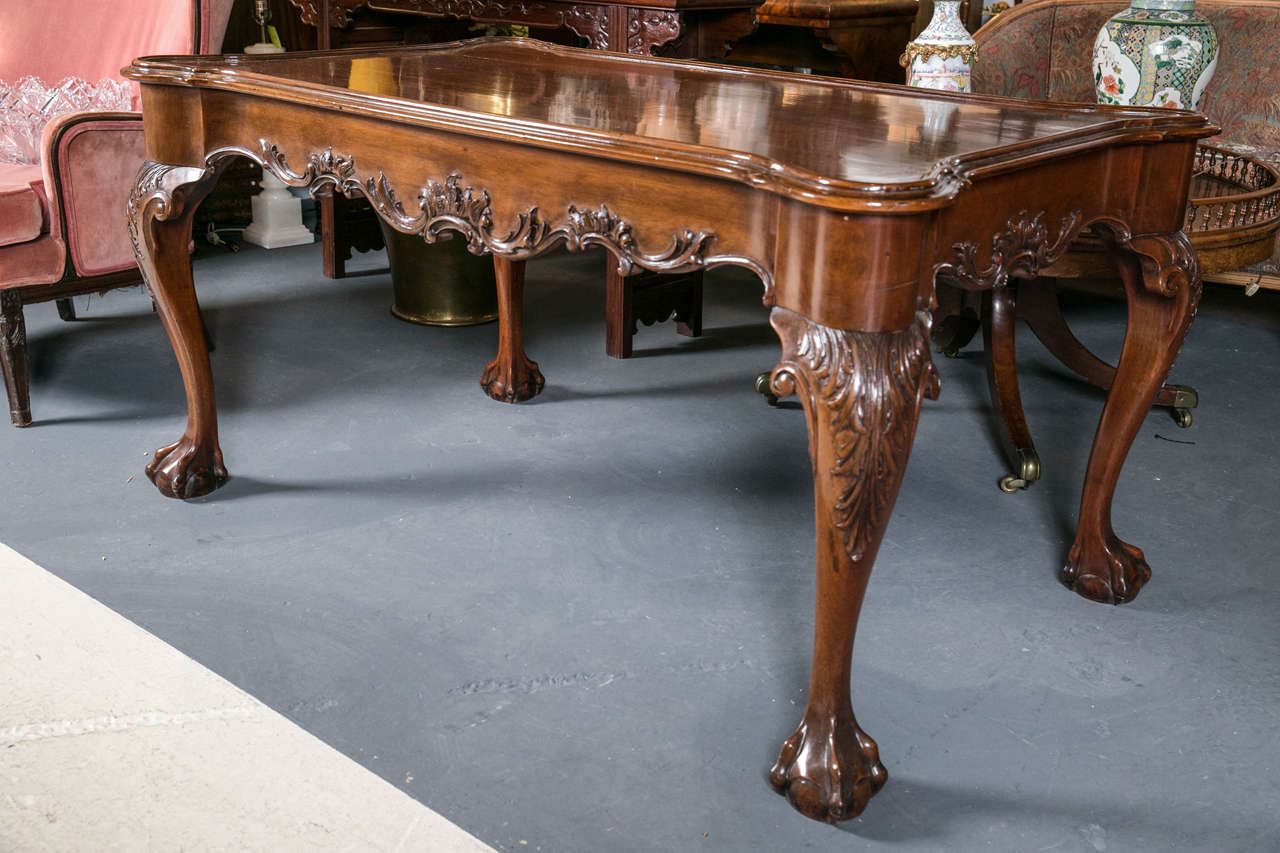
point(829, 770)
point(187, 470)
point(512, 383)
point(1125, 567)
point(765, 389)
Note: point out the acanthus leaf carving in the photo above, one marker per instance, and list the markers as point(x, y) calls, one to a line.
point(1023, 248)
point(868, 388)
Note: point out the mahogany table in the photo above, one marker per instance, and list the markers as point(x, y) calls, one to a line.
point(847, 199)
point(854, 38)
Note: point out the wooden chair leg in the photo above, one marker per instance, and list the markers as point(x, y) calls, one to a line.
point(13, 358)
point(1042, 311)
point(1000, 345)
point(67, 309)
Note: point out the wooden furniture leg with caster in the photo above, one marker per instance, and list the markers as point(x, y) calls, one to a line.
point(999, 310)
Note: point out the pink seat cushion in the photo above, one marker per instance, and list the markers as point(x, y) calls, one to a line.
point(24, 208)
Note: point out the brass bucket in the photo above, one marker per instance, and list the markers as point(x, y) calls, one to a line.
point(439, 284)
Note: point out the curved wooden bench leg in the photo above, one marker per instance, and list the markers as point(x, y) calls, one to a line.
point(999, 311)
point(1042, 311)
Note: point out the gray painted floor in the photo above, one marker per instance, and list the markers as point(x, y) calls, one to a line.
point(584, 623)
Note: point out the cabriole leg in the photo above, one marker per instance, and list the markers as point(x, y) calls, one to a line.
point(511, 377)
point(160, 210)
point(861, 392)
point(1162, 283)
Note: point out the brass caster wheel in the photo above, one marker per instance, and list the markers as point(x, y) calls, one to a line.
point(763, 388)
point(1028, 472)
point(1010, 484)
point(1185, 399)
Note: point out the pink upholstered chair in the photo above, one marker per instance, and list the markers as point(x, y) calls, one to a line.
point(62, 226)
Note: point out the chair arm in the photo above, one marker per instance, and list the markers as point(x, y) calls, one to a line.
point(90, 161)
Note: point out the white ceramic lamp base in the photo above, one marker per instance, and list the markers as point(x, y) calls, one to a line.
point(277, 217)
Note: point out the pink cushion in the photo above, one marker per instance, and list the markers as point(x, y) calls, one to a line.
point(24, 207)
point(39, 261)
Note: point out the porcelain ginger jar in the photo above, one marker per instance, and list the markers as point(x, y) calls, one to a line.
point(1155, 53)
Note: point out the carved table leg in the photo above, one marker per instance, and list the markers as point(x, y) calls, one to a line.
point(511, 377)
point(1162, 282)
point(160, 210)
point(861, 392)
point(999, 312)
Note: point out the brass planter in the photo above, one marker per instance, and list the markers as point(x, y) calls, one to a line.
point(439, 284)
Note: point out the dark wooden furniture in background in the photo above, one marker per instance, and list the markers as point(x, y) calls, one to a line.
point(854, 38)
point(861, 39)
point(848, 200)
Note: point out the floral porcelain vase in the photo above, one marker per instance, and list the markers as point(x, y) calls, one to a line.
point(1155, 53)
point(941, 57)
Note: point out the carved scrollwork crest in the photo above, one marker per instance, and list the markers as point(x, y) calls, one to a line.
point(600, 227)
point(1169, 261)
point(590, 23)
point(868, 387)
point(160, 191)
point(463, 8)
point(1023, 248)
point(339, 11)
point(650, 28)
point(452, 205)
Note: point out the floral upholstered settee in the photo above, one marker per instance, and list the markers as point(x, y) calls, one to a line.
point(1043, 50)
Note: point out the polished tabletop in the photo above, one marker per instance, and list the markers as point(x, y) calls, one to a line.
point(832, 134)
